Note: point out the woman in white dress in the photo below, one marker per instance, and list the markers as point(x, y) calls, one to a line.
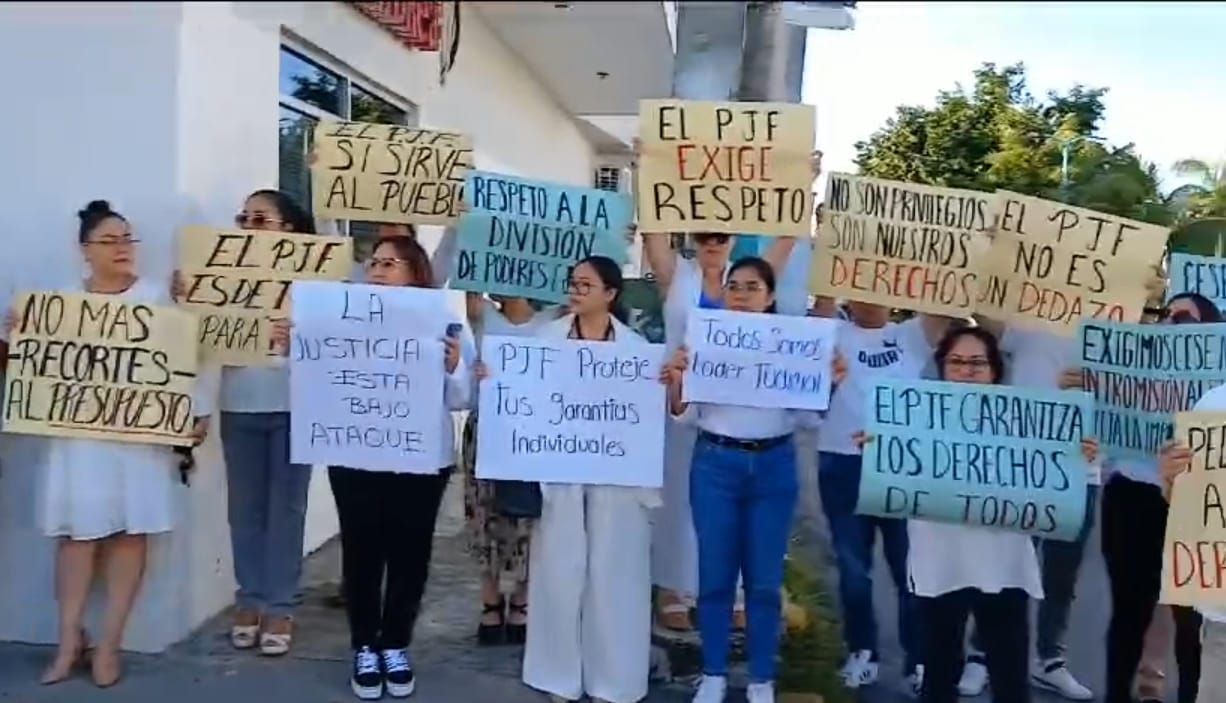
point(101, 500)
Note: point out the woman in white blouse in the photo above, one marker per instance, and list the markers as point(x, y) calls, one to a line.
point(743, 489)
point(957, 570)
point(101, 500)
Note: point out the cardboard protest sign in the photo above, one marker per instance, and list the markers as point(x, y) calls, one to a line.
point(238, 281)
point(366, 376)
point(759, 360)
point(1194, 549)
point(1206, 275)
point(725, 167)
point(1142, 375)
point(388, 173)
point(901, 245)
point(1051, 264)
point(101, 367)
point(521, 237)
point(567, 411)
point(976, 454)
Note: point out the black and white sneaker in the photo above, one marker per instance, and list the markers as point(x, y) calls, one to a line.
point(367, 681)
point(397, 673)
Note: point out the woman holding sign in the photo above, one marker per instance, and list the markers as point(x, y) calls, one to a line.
point(100, 499)
point(743, 489)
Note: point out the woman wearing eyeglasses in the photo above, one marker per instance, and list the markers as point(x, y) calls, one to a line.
point(102, 500)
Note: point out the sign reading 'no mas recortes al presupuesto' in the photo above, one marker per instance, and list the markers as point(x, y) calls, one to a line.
point(521, 237)
point(1051, 264)
point(100, 367)
point(566, 411)
point(239, 281)
point(388, 173)
point(738, 168)
point(901, 245)
point(976, 454)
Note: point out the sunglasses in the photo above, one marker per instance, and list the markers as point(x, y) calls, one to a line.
point(256, 221)
point(713, 238)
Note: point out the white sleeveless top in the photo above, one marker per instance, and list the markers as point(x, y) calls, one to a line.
point(683, 295)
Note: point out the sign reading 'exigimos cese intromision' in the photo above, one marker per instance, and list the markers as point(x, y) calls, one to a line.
point(388, 173)
point(739, 168)
point(100, 367)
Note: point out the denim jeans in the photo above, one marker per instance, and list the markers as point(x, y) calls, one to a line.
point(267, 500)
point(742, 503)
point(853, 537)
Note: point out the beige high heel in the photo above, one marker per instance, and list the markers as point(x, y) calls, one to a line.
point(80, 659)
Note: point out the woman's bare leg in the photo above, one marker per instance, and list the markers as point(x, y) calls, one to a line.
point(124, 566)
point(74, 573)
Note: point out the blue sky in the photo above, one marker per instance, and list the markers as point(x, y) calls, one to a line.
point(1164, 62)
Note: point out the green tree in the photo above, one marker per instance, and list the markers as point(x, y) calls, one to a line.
point(1206, 195)
point(996, 135)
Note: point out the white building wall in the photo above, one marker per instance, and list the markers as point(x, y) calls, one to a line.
point(170, 111)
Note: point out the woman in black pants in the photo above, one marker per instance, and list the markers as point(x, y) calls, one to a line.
point(387, 518)
point(1133, 527)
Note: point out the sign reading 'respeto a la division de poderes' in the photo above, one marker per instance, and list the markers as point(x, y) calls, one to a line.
point(759, 360)
point(737, 168)
point(388, 173)
point(521, 237)
point(100, 367)
point(977, 454)
point(238, 281)
point(568, 411)
point(367, 376)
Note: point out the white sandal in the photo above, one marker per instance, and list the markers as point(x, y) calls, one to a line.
point(244, 636)
point(275, 644)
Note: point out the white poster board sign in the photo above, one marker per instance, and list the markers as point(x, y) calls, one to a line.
point(366, 376)
point(759, 360)
point(566, 411)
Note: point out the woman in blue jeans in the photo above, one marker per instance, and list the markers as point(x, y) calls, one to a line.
point(743, 490)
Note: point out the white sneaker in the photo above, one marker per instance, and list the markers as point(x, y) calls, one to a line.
point(760, 693)
point(915, 681)
point(711, 690)
point(974, 677)
point(860, 670)
point(1053, 675)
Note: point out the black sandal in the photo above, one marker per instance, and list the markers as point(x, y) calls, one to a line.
point(517, 633)
point(492, 634)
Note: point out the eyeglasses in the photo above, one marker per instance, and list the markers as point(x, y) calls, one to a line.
point(976, 364)
point(384, 262)
point(125, 242)
point(737, 287)
point(580, 287)
point(255, 221)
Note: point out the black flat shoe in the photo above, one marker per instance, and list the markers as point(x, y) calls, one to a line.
point(488, 635)
point(518, 634)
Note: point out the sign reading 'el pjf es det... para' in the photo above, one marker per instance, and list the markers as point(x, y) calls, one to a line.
point(239, 282)
point(738, 168)
point(758, 360)
point(1194, 547)
point(568, 411)
point(1051, 264)
point(100, 367)
point(521, 237)
point(1142, 375)
point(976, 454)
point(901, 245)
point(388, 173)
point(366, 376)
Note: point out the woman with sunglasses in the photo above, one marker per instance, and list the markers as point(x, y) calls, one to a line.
point(685, 284)
point(102, 500)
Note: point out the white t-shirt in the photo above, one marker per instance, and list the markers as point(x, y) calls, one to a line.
point(943, 558)
point(897, 350)
point(1214, 400)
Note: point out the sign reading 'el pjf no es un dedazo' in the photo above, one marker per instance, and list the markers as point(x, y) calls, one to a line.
point(521, 237)
point(389, 173)
point(1052, 264)
point(1194, 547)
point(238, 281)
point(1142, 375)
point(901, 245)
point(367, 377)
point(976, 454)
point(759, 360)
point(737, 168)
point(568, 411)
point(101, 367)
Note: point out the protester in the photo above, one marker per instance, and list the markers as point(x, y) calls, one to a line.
point(589, 614)
point(959, 569)
point(102, 500)
point(743, 489)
